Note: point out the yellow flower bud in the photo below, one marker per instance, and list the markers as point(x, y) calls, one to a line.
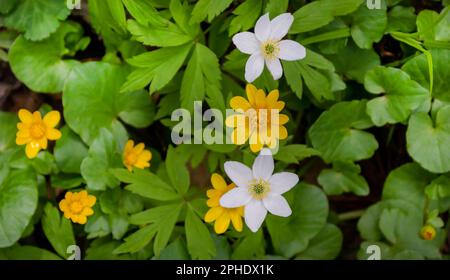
point(428, 232)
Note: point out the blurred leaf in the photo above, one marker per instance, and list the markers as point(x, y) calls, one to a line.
point(58, 230)
point(208, 8)
point(326, 245)
point(69, 151)
point(199, 242)
point(344, 177)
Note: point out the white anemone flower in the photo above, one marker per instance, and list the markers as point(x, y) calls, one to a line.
point(258, 189)
point(265, 45)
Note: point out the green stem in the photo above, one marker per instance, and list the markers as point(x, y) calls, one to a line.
point(327, 36)
point(350, 215)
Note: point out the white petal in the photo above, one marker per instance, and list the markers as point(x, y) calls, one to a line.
point(280, 25)
point(277, 205)
point(239, 173)
point(254, 67)
point(263, 165)
point(283, 182)
point(262, 28)
point(246, 42)
point(235, 198)
point(275, 69)
point(291, 50)
point(254, 214)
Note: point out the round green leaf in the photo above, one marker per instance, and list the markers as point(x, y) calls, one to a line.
point(428, 140)
point(39, 64)
point(18, 201)
point(417, 68)
point(92, 100)
point(344, 177)
point(8, 122)
point(337, 136)
point(401, 95)
point(69, 151)
point(324, 246)
point(309, 214)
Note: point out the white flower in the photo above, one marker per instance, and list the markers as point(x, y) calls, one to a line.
point(265, 45)
point(258, 189)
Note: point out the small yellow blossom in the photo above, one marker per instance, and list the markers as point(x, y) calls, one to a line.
point(35, 131)
point(136, 156)
point(221, 215)
point(428, 232)
point(258, 119)
point(77, 206)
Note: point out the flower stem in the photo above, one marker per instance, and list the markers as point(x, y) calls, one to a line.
point(332, 35)
point(350, 215)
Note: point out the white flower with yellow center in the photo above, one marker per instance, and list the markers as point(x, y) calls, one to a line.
point(265, 45)
point(258, 190)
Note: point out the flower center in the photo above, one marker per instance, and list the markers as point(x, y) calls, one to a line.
point(76, 207)
point(37, 130)
point(270, 50)
point(259, 189)
point(131, 158)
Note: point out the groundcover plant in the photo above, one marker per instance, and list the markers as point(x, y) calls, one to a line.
point(104, 153)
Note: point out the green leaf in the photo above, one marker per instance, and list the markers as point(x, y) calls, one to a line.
point(427, 140)
point(169, 35)
point(354, 62)
point(146, 184)
point(276, 7)
point(177, 171)
point(202, 77)
point(102, 249)
point(18, 252)
point(417, 68)
point(37, 18)
point(309, 214)
point(402, 96)
point(249, 246)
point(326, 245)
point(368, 26)
point(103, 155)
point(387, 222)
point(291, 72)
point(439, 188)
point(295, 153)
point(175, 251)
point(344, 177)
point(401, 19)
point(337, 135)
point(58, 230)
point(8, 122)
point(92, 100)
point(181, 13)
point(166, 223)
point(246, 15)
point(18, 201)
point(137, 240)
point(144, 12)
point(208, 8)
point(156, 67)
point(368, 223)
point(47, 56)
point(199, 242)
point(69, 151)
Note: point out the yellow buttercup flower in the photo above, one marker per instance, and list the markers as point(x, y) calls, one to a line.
point(77, 206)
point(136, 156)
point(428, 232)
point(258, 119)
point(35, 131)
point(221, 215)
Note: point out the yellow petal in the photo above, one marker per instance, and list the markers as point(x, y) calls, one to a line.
point(139, 148)
point(80, 219)
point(255, 143)
point(239, 102)
point(282, 119)
point(37, 117)
point(279, 105)
point(63, 206)
point(25, 116)
point(90, 200)
point(141, 164)
point(68, 196)
point(213, 201)
point(218, 182)
point(23, 133)
point(272, 98)
point(53, 134)
point(239, 137)
point(82, 195)
point(87, 211)
point(251, 92)
point(211, 193)
point(234, 120)
point(146, 155)
point(283, 134)
point(22, 141)
point(222, 223)
point(213, 214)
point(32, 149)
point(43, 143)
point(237, 221)
point(260, 99)
point(52, 119)
point(128, 146)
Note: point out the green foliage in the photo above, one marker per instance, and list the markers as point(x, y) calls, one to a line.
point(370, 100)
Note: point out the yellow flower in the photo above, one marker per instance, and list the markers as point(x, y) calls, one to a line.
point(77, 206)
point(220, 214)
point(428, 232)
point(136, 156)
point(34, 132)
point(259, 120)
